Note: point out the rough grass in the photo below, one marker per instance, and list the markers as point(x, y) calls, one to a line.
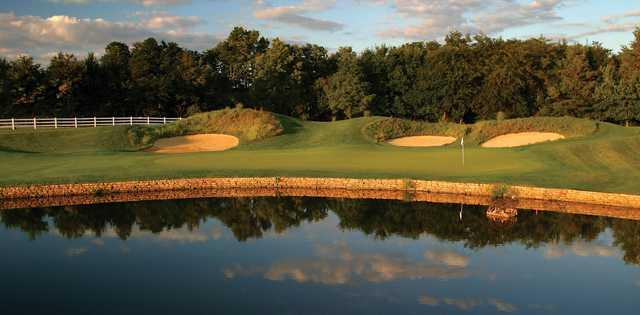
point(247, 124)
point(385, 129)
point(101, 139)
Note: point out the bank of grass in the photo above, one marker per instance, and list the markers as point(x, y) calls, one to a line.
point(604, 158)
point(386, 129)
point(247, 124)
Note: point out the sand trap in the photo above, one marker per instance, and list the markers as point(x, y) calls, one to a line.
point(520, 139)
point(422, 141)
point(195, 143)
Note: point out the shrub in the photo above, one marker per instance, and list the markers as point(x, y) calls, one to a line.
point(567, 126)
point(500, 191)
point(246, 124)
point(391, 128)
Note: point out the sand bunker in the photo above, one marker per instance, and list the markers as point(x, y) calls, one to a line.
point(195, 143)
point(422, 141)
point(520, 139)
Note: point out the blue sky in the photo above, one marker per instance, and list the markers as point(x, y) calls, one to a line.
point(43, 27)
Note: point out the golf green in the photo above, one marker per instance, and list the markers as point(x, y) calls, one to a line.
point(607, 160)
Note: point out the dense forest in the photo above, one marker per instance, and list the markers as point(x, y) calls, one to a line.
point(464, 78)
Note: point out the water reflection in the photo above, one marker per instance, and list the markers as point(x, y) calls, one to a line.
point(250, 218)
point(314, 256)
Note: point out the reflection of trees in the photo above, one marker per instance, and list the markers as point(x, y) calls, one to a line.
point(384, 219)
point(626, 235)
point(252, 217)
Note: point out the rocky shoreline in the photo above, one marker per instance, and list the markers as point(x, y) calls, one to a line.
point(396, 187)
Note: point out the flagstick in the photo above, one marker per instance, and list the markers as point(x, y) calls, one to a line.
point(462, 145)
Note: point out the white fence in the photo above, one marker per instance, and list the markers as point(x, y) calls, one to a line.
point(93, 122)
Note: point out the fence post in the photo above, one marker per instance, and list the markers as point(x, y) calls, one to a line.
point(13, 124)
point(113, 121)
point(95, 122)
point(35, 124)
point(164, 120)
point(75, 122)
point(55, 122)
point(147, 120)
point(131, 121)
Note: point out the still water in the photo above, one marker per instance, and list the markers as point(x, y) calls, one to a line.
point(313, 256)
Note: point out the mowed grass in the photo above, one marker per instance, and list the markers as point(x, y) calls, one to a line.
point(607, 159)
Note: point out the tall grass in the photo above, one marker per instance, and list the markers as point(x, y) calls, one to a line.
point(247, 124)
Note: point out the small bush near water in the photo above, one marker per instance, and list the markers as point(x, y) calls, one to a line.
point(246, 124)
point(500, 191)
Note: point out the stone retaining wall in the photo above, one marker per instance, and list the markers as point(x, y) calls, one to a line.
point(481, 190)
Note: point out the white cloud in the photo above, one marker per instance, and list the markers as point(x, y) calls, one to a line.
point(165, 21)
point(617, 17)
point(72, 252)
point(41, 37)
point(146, 3)
point(581, 249)
point(502, 306)
point(428, 300)
point(339, 264)
point(293, 14)
point(617, 23)
point(449, 258)
point(467, 304)
point(433, 19)
point(161, 2)
point(70, 1)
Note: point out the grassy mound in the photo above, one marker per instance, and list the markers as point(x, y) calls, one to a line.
point(567, 126)
point(247, 124)
point(391, 128)
point(385, 129)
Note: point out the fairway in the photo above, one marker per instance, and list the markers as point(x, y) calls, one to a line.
point(607, 160)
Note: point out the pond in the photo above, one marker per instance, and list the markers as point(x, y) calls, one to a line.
point(301, 255)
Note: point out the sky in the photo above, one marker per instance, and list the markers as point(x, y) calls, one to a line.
point(42, 28)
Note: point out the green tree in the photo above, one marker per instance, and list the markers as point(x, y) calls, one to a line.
point(146, 77)
point(345, 93)
point(279, 78)
point(191, 75)
point(6, 103)
point(117, 80)
point(572, 94)
point(28, 87)
point(630, 57)
point(236, 57)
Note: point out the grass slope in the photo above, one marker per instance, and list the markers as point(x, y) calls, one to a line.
point(600, 157)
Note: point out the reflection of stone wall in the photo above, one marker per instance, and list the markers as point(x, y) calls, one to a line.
point(396, 185)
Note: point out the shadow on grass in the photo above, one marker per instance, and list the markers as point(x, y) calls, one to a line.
point(289, 124)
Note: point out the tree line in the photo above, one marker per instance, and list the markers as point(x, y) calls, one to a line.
point(464, 78)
